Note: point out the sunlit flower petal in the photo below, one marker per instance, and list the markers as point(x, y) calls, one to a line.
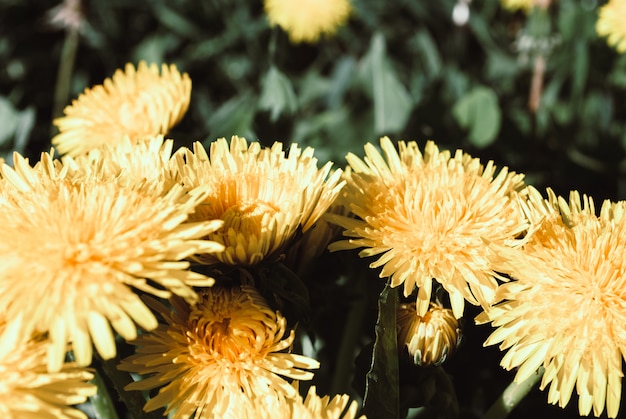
point(72, 252)
point(566, 309)
point(610, 24)
point(223, 357)
point(307, 20)
point(135, 103)
point(315, 407)
point(264, 197)
point(428, 216)
point(28, 390)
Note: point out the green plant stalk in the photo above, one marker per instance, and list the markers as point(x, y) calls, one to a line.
point(512, 396)
point(65, 70)
point(101, 402)
point(345, 355)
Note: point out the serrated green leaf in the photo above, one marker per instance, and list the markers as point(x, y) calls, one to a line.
point(479, 112)
point(382, 391)
point(277, 95)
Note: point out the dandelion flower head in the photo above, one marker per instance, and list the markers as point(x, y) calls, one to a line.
point(28, 390)
point(565, 310)
point(264, 197)
point(136, 103)
point(611, 24)
point(307, 20)
point(73, 251)
point(428, 215)
point(223, 357)
point(429, 339)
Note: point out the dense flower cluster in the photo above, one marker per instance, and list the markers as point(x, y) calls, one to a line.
point(428, 216)
point(565, 309)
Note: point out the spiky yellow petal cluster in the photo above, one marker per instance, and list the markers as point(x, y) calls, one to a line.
point(28, 390)
point(307, 20)
point(429, 216)
point(221, 358)
point(315, 407)
point(78, 245)
point(611, 24)
point(264, 197)
point(134, 103)
point(566, 308)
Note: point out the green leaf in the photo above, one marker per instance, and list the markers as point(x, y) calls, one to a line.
point(382, 391)
point(426, 49)
point(277, 95)
point(9, 117)
point(392, 102)
point(234, 117)
point(478, 111)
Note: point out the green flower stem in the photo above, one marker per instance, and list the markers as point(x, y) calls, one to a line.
point(101, 402)
point(64, 75)
point(345, 355)
point(511, 396)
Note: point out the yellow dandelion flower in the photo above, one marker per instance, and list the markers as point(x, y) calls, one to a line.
point(315, 407)
point(136, 103)
point(307, 20)
point(428, 215)
point(72, 253)
point(144, 163)
point(28, 390)
point(611, 24)
point(565, 310)
point(222, 358)
point(264, 197)
point(515, 5)
point(431, 338)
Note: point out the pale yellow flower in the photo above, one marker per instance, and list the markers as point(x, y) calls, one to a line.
point(72, 252)
point(143, 164)
point(135, 103)
point(307, 20)
point(515, 5)
point(430, 339)
point(565, 310)
point(611, 24)
point(221, 358)
point(28, 390)
point(264, 197)
point(428, 216)
point(316, 407)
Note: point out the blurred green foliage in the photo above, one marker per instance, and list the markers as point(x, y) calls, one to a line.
point(400, 68)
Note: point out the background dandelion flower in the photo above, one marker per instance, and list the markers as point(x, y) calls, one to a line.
point(565, 311)
point(73, 251)
point(307, 20)
point(611, 24)
point(428, 215)
point(264, 197)
point(222, 357)
point(28, 390)
point(136, 103)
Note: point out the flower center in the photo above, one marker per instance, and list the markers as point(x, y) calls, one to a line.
point(250, 218)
